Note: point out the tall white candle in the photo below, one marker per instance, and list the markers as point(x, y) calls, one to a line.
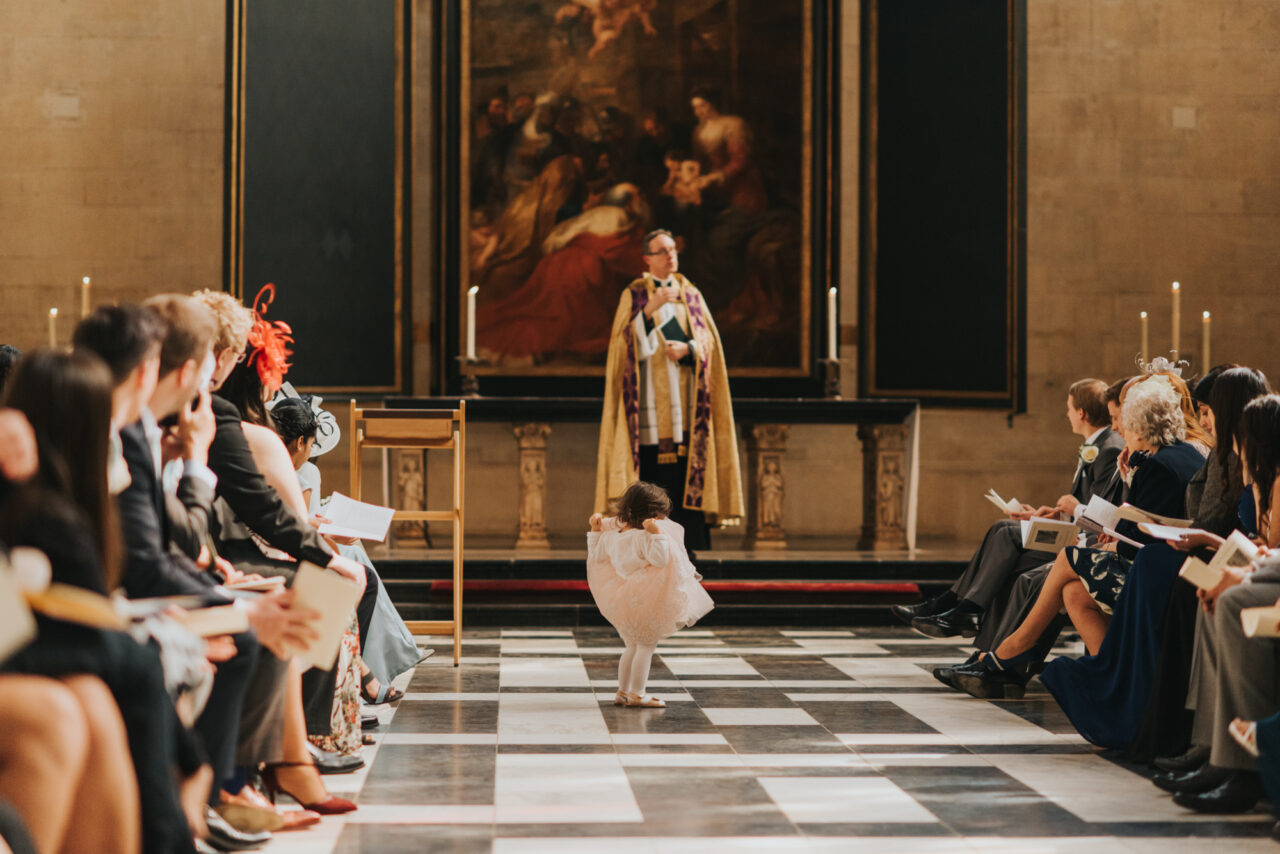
point(1177, 319)
point(1146, 340)
point(84, 297)
point(53, 327)
point(471, 322)
point(831, 324)
point(1204, 343)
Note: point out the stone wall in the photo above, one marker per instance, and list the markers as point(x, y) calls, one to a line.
point(111, 149)
point(1152, 157)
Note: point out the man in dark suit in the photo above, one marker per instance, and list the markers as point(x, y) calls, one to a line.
point(1002, 558)
point(139, 345)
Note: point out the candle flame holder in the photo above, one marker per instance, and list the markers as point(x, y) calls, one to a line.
point(830, 378)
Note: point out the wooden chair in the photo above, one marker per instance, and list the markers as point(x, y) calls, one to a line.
point(429, 429)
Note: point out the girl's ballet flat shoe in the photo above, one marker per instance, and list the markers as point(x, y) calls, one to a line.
point(620, 698)
point(647, 701)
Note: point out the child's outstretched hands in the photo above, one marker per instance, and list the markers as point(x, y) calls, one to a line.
point(596, 522)
point(651, 525)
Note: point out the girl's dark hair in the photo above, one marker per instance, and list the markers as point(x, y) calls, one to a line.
point(244, 388)
point(294, 419)
point(1203, 392)
point(67, 398)
point(1233, 389)
point(1260, 449)
point(642, 500)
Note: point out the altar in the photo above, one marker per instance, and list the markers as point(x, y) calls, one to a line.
point(886, 430)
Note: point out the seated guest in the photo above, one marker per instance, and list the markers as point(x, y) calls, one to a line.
point(1106, 695)
point(1008, 610)
point(9, 356)
point(66, 512)
point(387, 648)
point(66, 767)
point(1235, 676)
point(1088, 580)
point(246, 493)
point(1002, 557)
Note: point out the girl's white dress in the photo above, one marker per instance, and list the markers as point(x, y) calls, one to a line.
point(644, 584)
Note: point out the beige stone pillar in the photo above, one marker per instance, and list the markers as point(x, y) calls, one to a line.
point(766, 486)
point(883, 486)
point(532, 440)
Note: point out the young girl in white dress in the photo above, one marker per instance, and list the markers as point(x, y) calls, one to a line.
point(643, 583)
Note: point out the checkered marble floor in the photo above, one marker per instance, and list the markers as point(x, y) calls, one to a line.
point(772, 740)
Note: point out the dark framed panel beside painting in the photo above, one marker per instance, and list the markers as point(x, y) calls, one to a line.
point(943, 209)
point(569, 128)
point(316, 182)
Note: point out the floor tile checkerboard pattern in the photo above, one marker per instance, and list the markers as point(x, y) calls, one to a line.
point(772, 740)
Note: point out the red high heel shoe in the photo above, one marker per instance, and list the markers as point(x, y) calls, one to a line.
point(332, 805)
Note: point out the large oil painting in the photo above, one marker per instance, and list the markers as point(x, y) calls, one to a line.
point(584, 124)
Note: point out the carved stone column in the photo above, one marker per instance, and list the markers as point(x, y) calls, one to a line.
point(410, 474)
point(532, 439)
point(766, 486)
point(883, 486)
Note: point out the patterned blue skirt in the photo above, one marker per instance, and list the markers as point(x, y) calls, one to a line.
point(1102, 573)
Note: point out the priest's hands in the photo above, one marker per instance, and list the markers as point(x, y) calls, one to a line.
point(677, 350)
point(660, 297)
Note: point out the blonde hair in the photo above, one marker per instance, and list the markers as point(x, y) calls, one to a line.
point(233, 319)
point(1153, 411)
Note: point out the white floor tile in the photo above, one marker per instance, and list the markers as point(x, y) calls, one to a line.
point(844, 799)
point(453, 698)
point(419, 814)
point(440, 738)
point(814, 683)
point(803, 760)
point(724, 683)
point(564, 718)
point(840, 646)
point(971, 721)
point(748, 845)
point(563, 788)
point(537, 633)
point(694, 665)
point(810, 633)
point(1096, 790)
point(883, 672)
point(759, 717)
point(659, 738)
point(538, 645)
point(566, 672)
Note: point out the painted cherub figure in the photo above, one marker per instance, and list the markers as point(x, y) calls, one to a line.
point(608, 19)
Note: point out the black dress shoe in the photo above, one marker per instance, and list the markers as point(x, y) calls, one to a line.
point(1203, 779)
point(944, 674)
point(927, 608)
point(948, 624)
point(1240, 792)
point(977, 680)
point(1275, 831)
point(1189, 761)
point(224, 837)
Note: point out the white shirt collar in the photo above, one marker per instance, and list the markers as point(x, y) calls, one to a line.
point(1094, 436)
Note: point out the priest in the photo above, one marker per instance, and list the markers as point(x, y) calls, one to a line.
point(668, 418)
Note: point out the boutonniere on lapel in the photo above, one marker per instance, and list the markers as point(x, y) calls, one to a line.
point(1088, 453)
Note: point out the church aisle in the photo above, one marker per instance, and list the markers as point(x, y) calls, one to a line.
point(772, 740)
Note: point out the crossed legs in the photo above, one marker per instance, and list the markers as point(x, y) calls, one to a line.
point(1062, 587)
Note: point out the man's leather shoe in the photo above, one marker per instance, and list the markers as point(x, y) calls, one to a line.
point(927, 608)
point(948, 624)
point(944, 674)
point(368, 720)
point(1203, 779)
point(334, 763)
point(1189, 761)
point(1240, 792)
point(977, 680)
point(224, 837)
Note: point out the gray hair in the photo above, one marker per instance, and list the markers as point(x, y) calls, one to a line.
point(1153, 411)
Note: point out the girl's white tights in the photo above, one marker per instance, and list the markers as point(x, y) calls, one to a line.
point(633, 668)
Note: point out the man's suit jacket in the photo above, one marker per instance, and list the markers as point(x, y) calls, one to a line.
point(151, 568)
point(189, 512)
point(244, 489)
point(1100, 476)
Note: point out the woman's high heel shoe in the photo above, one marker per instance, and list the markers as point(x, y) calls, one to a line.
point(331, 805)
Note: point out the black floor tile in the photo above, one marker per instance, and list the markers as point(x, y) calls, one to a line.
point(458, 716)
point(869, 716)
point(430, 774)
